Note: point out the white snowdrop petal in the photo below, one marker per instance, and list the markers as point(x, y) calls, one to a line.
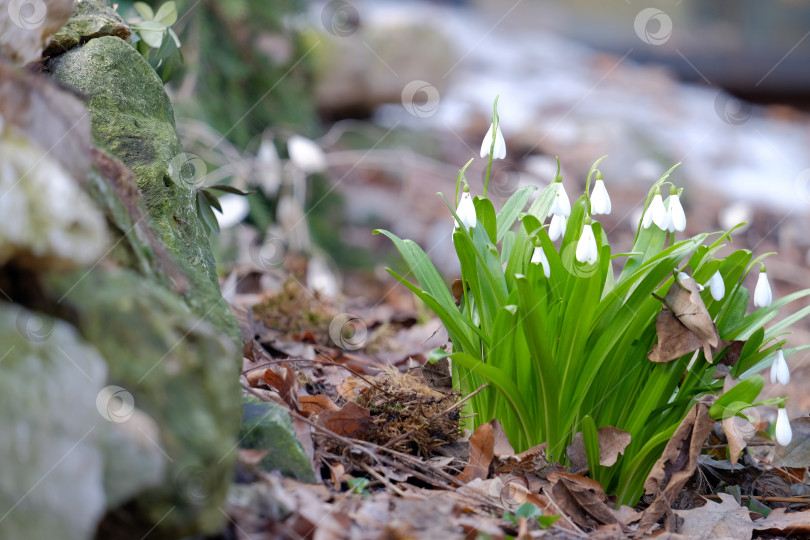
point(586, 247)
point(500, 145)
point(762, 293)
point(717, 286)
point(780, 370)
point(487, 142)
point(600, 200)
point(466, 211)
point(539, 257)
point(556, 228)
point(235, 208)
point(306, 154)
point(658, 213)
point(784, 434)
point(675, 214)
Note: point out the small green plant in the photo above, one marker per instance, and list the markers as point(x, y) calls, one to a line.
point(529, 511)
point(564, 336)
point(359, 486)
point(155, 39)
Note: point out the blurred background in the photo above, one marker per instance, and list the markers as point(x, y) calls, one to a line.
point(345, 116)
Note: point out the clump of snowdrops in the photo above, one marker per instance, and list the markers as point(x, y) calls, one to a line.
point(564, 331)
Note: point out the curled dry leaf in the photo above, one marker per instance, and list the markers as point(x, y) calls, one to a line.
point(482, 450)
point(582, 499)
point(528, 461)
point(311, 405)
point(684, 301)
point(678, 462)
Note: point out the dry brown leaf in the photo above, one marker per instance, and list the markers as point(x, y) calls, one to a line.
point(683, 298)
point(482, 448)
point(316, 404)
point(717, 521)
point(582, 499)
point(738, 430)
point(528, 461)
point(674, 339)
point(337, 473)
point(677, 464)
point(502, 446)
point(779, 522)
point(350, 421)
point(612, 442)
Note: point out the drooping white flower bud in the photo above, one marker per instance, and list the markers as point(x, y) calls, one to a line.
point(539, 257)
point(466, 211)
point(600, 200)
point(499, 152)
point(676, 219)
point(306, 154)
point(762, 293)
point(779, 369)
point(656, 213)
point(556, 228)
point(717, 286)
point(587, 251)
point(235, 208)
point(783, 432)
point(561, 205)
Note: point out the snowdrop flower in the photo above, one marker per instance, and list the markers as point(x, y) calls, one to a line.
point(557, 227)
point(600, 200)
point(466, 211)
point(783, 432)
point(561, 205)
point(499, 152)
point(586, 247)
point(656, 213)
point(762, 292)
point(539, 257)
point(676, 219)
point(235, 208)
point(306, 154)
point(717, 286)
point(779, 369)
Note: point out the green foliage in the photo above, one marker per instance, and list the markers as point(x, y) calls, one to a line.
point(529, 511)
point(155, 39)
point(569, 352)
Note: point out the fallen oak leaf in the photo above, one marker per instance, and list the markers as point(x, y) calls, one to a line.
point(724, 520)
point(781, 523)
point(677, 463)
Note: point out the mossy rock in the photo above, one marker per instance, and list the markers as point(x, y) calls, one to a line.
point(132, 118)
point(181, 373)
point(267, 426)
point(90, 19)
